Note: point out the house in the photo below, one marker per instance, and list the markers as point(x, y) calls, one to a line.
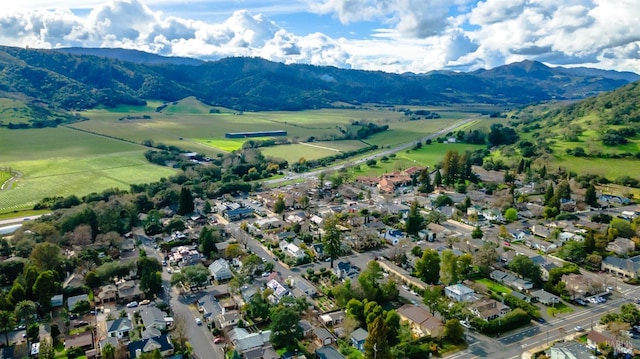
point(393, 236)
point(333, 318)
point(279, 290)
point(268, 223)
point(510, 280)
point(220, 270)
point(302, 288)
point(119, 328)
point(427, 235)
point(437, 230)
point(579, 286)
point(545, 269)
point(345, 270)
point(569, 350)
point(150, 333)
point(545, 297)
point(154, 317)
point(492, 214)
point(82, 340)
point(358, 337)
point(129, 291)
point(57, 301)
point(323, 337)
point(106, 294)
point(292, 250)
point(421, 321)
point(624, 267)
point(328, 352)
point(243, 341)
point(220, 291)
point(72, 301)
point(541, 231)
point(261, 353)
point(108, 341)
point(521, 296)
point(460, 293)
point(238, 214)
point(161, 343)
point(306, 327)
point(621, 246)
point(229, 319)
point(595, 338)
point(488, 309)
point(521, 235)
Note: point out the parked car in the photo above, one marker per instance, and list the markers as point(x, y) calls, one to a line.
point(266, 274)
point(217, 340)
point(198, 321)
point(145, 302)
point(132, 304)
point(465, 324)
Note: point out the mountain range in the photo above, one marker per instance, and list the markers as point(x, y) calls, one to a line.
point(78, 78)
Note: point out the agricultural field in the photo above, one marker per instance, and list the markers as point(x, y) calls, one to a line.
point(61, 161)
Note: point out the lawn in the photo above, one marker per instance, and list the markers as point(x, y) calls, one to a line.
point(493, 286)
point(559, 309)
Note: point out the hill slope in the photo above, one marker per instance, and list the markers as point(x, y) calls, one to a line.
point(78, 81)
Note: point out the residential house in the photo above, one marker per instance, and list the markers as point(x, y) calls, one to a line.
point(292, 250)
point(154, 317)
point(119, 328)
point(579, 286)
point(460, 293)
point(390, 182)
point(333, 318)
point(488, 309)
point(510, 280)
point(521, 235)
point(569, 350)
point(129, 291)
point(421, 321)
point(161, 343)
point(110, 341)
point(220, 270)
point(492, 214)
point(323, 337)
point(82, 340)
point(261, 353)
point(57, 301)
point(233, 215)
point(279, 290)
point(545, 297)
point(328, 352)
point(306, 327)
point(545, 269)
point(427, 235)
point(393, 236)
point(624, 267)
point(596, 338)
point(208, 307)
point(521, 296)
point(72, 301)
point(106, 294)
point(345, 270)
point(302, 288)
point(541, 231)
point(621, 246)
point(358, 337)
point(150, 333)
point(268, 223)
point(437, 231)
point(243, 341)
point(229, 319)
point(220, 291)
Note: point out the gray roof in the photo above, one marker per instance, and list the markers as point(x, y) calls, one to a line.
point(322, 333)
point(152, 315)
point(328, 352)
point(359, 335)
point(245, 341)
point(220, 270)
point(118, 325)
point(71, 301)
point(631, 264)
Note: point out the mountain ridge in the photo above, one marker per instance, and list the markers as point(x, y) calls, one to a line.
point(80, 81)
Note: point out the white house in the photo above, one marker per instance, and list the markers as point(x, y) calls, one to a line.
point(460, 293)
point(292, 250)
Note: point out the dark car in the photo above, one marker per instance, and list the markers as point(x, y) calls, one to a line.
point(541, 320)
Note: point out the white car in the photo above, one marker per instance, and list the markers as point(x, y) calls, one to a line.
point(405, 287)
point(198, 321)
point(465, 324)
point(578, 328)
point(132, 304)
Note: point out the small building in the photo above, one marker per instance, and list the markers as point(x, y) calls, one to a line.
point(220, 270)
point(119, 328)
point(57, 301)
point(545, 297)
point(161, 343)
point(621, 246)
point(106, 294)
point(623, 267)
point(328, 352)
point(83, 340)
point(421, 321)
point(72, 301)
point(333, 318)
point(358, 338)
point(233, 215)
point(489, 309)
point(323, 337)
point(129, 291)
point(154, 317)
point(243, 341)
point(393, 236)
point(569, 350)
point(460, 293)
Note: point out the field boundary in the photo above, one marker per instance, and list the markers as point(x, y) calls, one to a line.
point(322, 147)
point(8, 184)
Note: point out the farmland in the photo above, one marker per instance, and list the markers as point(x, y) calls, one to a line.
point(104, 152)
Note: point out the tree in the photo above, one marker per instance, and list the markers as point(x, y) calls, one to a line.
point(414, 222)
point(332, 240)
point(258, 308)
point(46, 256)
point(485, 258)
point(46, 351)
point(233, 250)
point(428, 267)
point(185, 203)
point(590, 196)
point(44, 288)
point(369, 281)
point(477, 233)
point(284, 327)
point(108, 351)
point(7, 321)
point(525, 267)
point(377, 345)
point(548, 195)
point(393, 320)
point(16, 294)
point(355, 308)
point(24, 311)
point(197, 275)
point(279, 205)
point(151, 282)
point(453, 331)
point(449, 268)
point(425, 181)
point(208, 239)
point(437, 179)
point(564, 190)
point(573, 251)
point(511, 215)
point(432, 296)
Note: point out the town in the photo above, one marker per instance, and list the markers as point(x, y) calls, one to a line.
point(457, 261)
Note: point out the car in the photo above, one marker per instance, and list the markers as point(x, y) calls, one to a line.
point(601, 299)
point(465, 324)
point(164, 263)
point(264, 260)
point(81, 324)
point(169, 270)
point(580, 302)
point(198, 321)
point(405, 287)
point(578, 328)
point(145, 302)
point(73, 316)
point(266, 274)
point(541, 320)
point(132, 304)
point(507, 244)
point(217, 340)
point(22, 327)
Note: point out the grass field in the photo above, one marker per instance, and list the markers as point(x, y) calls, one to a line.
point(61, 162)
point(4, 176)
point(295, 152)
point(559, 309)
point(493, 286)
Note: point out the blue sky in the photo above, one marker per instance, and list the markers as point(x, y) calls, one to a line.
point(389, 35)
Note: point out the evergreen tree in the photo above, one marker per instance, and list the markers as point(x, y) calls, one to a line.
point(185, 205)
point(521, 166)
point(428, 267)
point(279, 205)
point(451, 167)
point(414, 221)
point(590, 196)
point(425, 181)
point(437, 179)
point(590, 242)
point(377, 345)
point(564, 190)
point(548, 195)
point(543, 172)
point(332, 240)
point(477, 233)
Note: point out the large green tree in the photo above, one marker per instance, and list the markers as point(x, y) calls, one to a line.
point(46, 256)
point(590, 196)
point(428, 267)
point(185, 204)
point(414, 222)
point(332, 238)
point(284, 326)
point(377, 344)
point(25, 311)
point(525, 267)
point(453, 331)
point(44, 288)
point(7, 321)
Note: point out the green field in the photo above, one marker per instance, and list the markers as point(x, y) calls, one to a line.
point(493, 286)
point(61, 162)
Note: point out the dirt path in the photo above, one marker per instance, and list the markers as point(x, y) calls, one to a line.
point(8, 184)
point(317, 146)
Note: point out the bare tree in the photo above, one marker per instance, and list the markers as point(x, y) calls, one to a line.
point(180, 328)
point(349, 325)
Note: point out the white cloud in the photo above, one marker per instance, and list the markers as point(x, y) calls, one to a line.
point(409, 35)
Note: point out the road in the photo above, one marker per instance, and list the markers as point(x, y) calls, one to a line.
point(387, 152)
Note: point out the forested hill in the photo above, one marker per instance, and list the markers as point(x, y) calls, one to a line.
point(79, 81)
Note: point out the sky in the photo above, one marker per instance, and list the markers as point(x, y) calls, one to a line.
point(388, 35)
